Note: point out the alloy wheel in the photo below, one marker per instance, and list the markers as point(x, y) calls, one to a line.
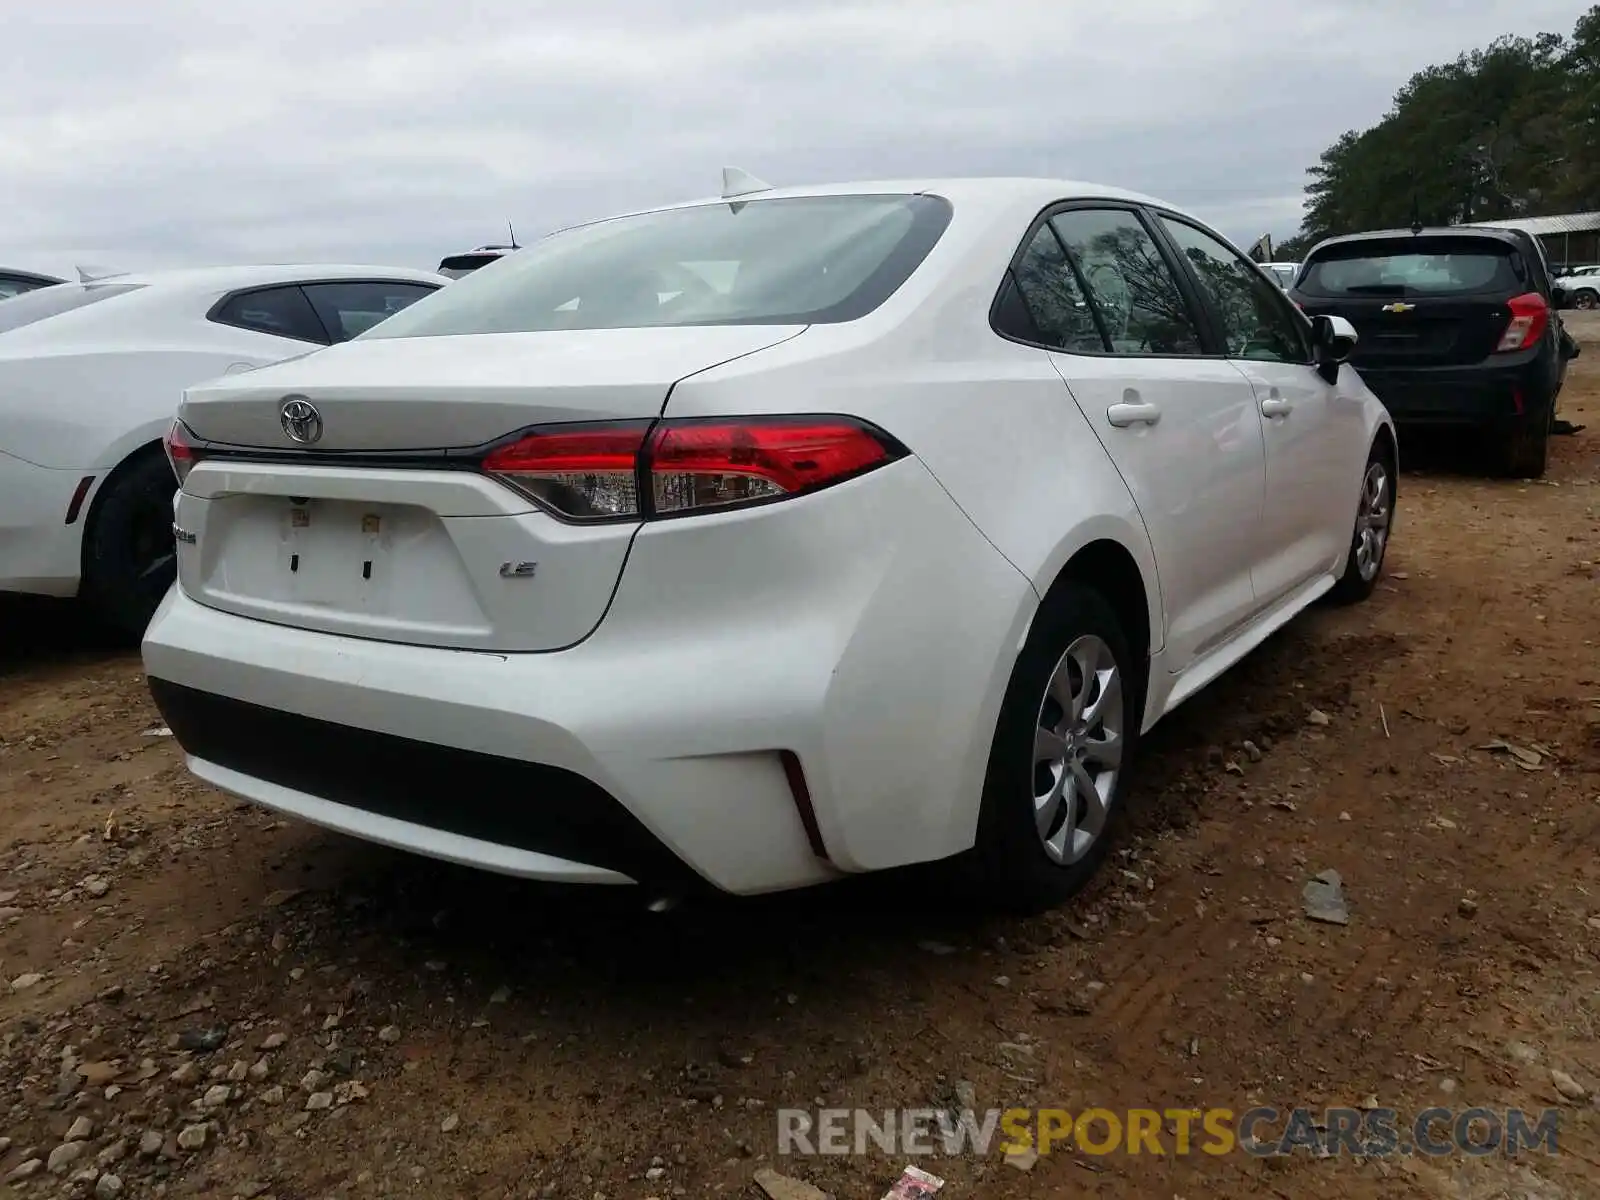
point(1372, 521)
point(1077, 750)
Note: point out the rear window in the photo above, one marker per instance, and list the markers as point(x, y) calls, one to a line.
point(791, 261)
point(53, 301)
point(1423, 267)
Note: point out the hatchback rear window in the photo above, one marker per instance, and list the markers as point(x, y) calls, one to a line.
point(789, 261)
point(1424, 267)
point(53, 301)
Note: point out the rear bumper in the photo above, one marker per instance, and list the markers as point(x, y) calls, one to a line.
point(1491, 394)
point(875, 646)
point(378, 786)
point(40, 554)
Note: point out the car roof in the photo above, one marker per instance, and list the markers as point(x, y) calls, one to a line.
point(139, 302)
point(229, 278)
point(1510, 236)
point(994, 192)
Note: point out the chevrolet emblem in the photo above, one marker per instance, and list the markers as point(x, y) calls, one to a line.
point(1399, 306)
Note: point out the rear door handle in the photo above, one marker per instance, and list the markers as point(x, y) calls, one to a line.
point(1123, 415)
point(1276, 406)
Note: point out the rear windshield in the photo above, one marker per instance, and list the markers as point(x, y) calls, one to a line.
point(55, 300)
point(790, 261)
point(1423, 267)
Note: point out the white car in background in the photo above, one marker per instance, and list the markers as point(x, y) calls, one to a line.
point(1581, 288)
point(767, 539)
point(1283, 272)
point(90, 375)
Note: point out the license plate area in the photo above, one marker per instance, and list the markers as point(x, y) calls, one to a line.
point(340, 554)
point(425, 558)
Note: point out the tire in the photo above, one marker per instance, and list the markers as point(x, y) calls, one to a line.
point(1076, 626)
point(1586, 298)
point(129, 558)
point(1526, 453)
point(1369, 539)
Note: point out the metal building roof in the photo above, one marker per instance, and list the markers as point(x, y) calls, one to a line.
point(1586, 222)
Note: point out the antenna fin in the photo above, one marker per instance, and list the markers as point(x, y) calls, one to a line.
point(737, 182)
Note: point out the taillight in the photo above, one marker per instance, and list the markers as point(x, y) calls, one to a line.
point(584, 472)
point(696, 465)
point(639, 470)
point(1529, 316)
point(181, 450)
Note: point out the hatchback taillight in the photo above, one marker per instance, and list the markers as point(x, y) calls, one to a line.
point(182, 453)
point(1529, 316)
point(632, 470)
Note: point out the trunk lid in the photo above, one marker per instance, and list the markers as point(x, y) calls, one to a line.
point(421, 552)
point(431, 393)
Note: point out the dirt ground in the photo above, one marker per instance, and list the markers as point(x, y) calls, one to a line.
point(484, 1038)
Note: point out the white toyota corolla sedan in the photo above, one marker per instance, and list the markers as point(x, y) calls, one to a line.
point(763, 540)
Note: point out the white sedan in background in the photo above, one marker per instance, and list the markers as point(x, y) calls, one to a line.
point(1582, 288)
point(90, 375)
point(767, 539)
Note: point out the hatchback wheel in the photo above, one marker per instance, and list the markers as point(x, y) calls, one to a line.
point(1374, 522)
point(1525, 454)
point(1062, 747)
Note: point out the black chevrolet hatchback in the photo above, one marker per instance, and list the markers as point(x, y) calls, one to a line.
point(1458, 327)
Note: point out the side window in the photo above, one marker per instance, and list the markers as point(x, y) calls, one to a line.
point(281, 311)
point(355, 306)
point(1043, 297)
point(1256, 321)
point(1131, 286)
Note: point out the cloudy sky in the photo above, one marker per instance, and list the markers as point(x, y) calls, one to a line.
point(145, 133)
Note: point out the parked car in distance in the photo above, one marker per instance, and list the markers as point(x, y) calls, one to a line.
point(455, 266)
point(1284, 273)
point(757, 541)
point(1457, 328)
point(14, 282)
point(90, 376)
point(1580, 287)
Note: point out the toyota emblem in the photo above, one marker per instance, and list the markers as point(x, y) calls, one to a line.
point(300, 420)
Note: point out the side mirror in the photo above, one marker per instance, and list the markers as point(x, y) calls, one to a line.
point(1334, 341)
